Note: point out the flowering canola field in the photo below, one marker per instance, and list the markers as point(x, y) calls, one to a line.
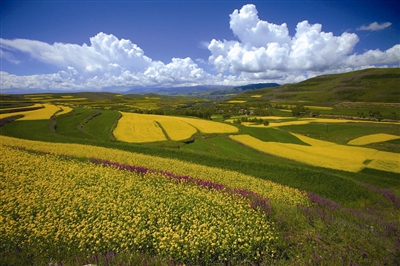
point(146, 128)
point(64, 110)
point(40, 114)
point(175, 129)
point(136, 128)
point(55, 205)
point(327, 154)
point(82, 208)
point(276, 193)
point(36, 105)
point(373, 138)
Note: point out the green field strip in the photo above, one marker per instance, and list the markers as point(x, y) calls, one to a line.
point(224, 147)
point(101, 125)
point(29, 129)
point(69, 125)
point(342, 133)
point(271, 134)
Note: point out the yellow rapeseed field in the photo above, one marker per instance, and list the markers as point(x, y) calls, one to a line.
point(138, 128)
point(52, 205)
point(237, 101)
point(64, 110)
point(175, 128)
point(63, 99)
point(273, 117)
point(206, 126)
point(44, 113)
point(36, 105)
point(326, 154)
point(275, 192)
point(313, 107)
point(373, 138)
point(386, 161)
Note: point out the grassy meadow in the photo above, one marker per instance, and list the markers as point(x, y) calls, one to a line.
point(112, 179)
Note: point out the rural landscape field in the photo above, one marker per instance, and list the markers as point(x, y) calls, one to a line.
point(298, 174)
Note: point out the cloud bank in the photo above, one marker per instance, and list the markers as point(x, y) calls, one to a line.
point(262, 52)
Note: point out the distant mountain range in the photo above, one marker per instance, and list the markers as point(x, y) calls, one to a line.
point(209, 92)
point(174, 90)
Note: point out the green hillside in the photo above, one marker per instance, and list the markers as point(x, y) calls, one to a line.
point(369, 85)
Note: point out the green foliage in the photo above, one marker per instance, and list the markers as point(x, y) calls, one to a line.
point(300, 110)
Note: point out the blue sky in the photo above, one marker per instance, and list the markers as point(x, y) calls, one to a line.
point(120, 45)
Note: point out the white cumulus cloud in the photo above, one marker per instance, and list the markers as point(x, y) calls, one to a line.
point(105, 63)
point(374, 57)
point(252, 31)
point(375, 26)
point(103, 50)
point(263, 47)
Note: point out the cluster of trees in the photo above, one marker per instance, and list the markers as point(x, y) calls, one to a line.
point(206, 111)
point(378, 115)
point(300, 110)
point(255, 120)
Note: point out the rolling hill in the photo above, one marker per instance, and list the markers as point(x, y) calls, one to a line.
point(369, 85)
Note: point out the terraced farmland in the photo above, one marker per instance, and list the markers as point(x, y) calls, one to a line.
point(141, 128)
point(327, 154)
point(40, 114)
point(373, 138)
point(137, 128)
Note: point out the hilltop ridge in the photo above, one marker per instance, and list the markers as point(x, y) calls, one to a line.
point(368, 85)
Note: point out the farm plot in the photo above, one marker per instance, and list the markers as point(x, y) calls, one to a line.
point(40, 114)
point(138, 128)
point(176, 129)
point(59, 208)
point(64, 110)
point(206, 126)
point(71, 125)
point(145, 128)
point(275, 192)
point(372, 138)
point(21, 108)
point(326, 154)
point(100, 126)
